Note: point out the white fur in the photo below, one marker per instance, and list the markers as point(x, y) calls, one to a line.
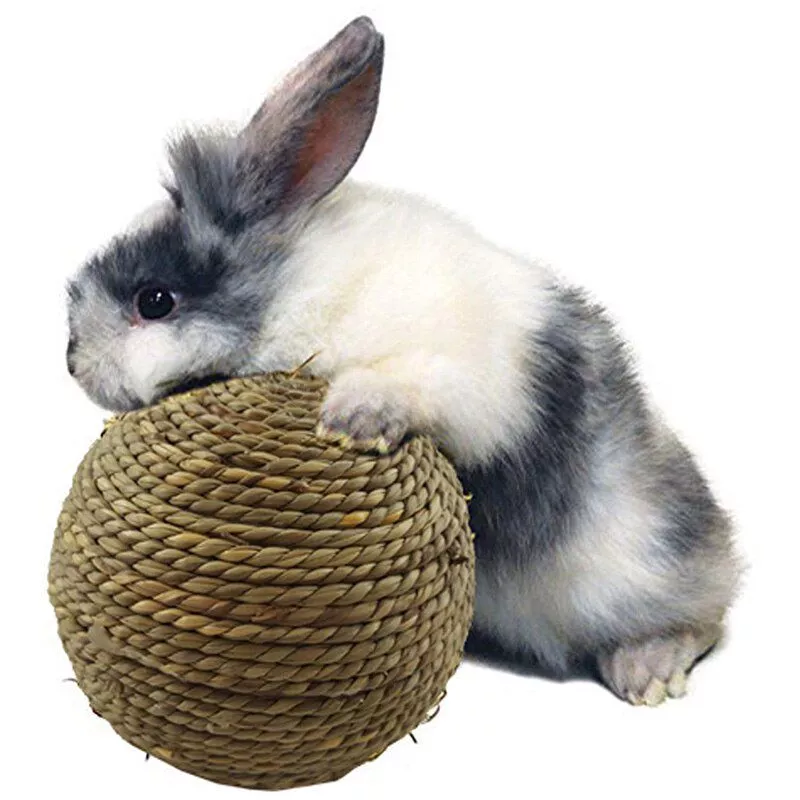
point(150, 217)
point(155, 355)
point(385, 281)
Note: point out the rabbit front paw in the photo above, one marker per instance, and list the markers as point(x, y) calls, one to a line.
point(367, 411)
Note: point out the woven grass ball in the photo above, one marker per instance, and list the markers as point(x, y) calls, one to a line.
point(252, 604)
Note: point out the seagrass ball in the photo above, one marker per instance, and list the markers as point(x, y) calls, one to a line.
point(250, 603)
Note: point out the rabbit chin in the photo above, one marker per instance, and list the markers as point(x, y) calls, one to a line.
point(160, 359)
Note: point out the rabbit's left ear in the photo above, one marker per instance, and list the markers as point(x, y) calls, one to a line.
point(308, 134)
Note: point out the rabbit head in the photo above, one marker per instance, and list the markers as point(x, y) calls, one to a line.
point(180, 298)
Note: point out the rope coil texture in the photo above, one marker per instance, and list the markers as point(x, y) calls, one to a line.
point(250, 603)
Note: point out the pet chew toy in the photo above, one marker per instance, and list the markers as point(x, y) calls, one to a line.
point(250, 603)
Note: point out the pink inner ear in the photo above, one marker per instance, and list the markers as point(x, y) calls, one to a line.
point(335, 135)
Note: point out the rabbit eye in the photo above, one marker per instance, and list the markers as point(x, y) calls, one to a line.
point(154, 302)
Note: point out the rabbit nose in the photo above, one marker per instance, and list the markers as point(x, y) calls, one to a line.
point(71, 345)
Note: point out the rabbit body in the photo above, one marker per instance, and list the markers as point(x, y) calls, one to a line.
point(593, 524)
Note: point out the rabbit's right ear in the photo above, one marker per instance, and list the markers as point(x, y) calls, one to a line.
point(308, 134)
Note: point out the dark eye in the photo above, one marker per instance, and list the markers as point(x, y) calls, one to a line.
point(154, 302)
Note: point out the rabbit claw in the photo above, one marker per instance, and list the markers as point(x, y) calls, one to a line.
point(368, 421)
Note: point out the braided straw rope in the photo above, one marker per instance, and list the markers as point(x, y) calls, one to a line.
point(254, 605)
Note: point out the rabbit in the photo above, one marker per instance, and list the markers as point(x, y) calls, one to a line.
point(598, 542)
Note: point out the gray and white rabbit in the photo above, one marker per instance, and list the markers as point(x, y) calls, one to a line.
point(597, 538)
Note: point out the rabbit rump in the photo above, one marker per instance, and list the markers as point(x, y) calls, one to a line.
point(598, 541)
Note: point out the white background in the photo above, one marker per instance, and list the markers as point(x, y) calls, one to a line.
point(650, 151)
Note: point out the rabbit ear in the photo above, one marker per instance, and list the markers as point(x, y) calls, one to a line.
point(307, 135)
